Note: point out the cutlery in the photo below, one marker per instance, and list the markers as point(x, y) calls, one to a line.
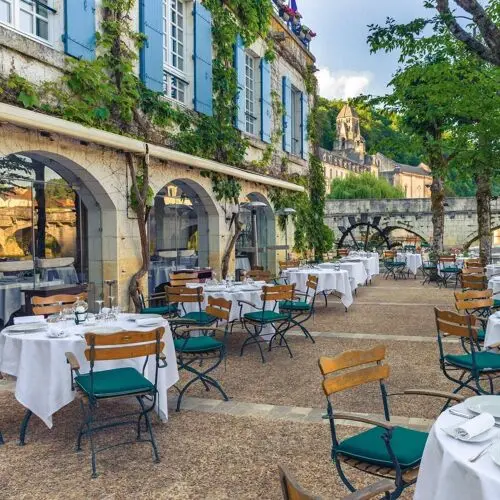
point(465, 415)
point(482, 452)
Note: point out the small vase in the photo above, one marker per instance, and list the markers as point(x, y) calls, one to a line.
point(285, 15)
point(296, 21)
point(308, 37)
point(302, 35)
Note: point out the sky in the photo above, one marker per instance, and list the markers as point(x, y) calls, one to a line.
point(346, 66)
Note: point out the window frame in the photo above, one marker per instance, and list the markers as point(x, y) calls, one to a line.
point(296, 122)
point(15, 19)
point(251, 105)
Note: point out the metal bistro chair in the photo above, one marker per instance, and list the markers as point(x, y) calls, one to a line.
point(182, 279)
point(1, 439)
point(385, 450)
point(97, 386)
point(392, 266)
point(259, 275)
point(449, 269)
point(430, 273)
point(474, 366)
point(198, 350)
point(342, 252)
point(472, 281)
point(255, 322)
point(302, 305)
point(157, 305)
point(293, 491)
point(478, 303)
point(53, 304)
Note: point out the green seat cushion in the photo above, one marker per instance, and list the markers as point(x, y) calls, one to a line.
point(114, 382)
point(430, 266)
point(481, 334)
point(169, 309)
point(295, 305)
point(197, 344)
point(265, 316)
point(368, 446)
point(202, 318)
point(451, 269)
point(496, 303)
point(484, 360)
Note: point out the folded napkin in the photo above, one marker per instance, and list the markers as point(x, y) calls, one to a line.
point(149, 321)
point(475, 426)
point(29, 319)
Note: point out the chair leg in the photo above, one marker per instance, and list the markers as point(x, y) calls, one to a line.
point(253, 338)
point(91, 440)
point(149, 428)
point(1, 439)
point(24, 427)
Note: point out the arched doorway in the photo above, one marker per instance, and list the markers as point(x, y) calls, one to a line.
point(256, 245)
point(183, 231)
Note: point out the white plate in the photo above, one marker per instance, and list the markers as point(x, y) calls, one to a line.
point(103, 330)
point(214, 289)
point(147, 316)
point(27, 327)
point(484, 436)
point(484, 404)
point(495, 453)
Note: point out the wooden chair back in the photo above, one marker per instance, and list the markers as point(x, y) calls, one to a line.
point(389, 254)
point(473, 299)
point(447, 259)
point(458, 325)
point(219, 307)
point(291, 489)
point(334, 382)
point(474, 263)
point(472, 270)
point(182, 294)
point(342, 252)
point(277, 293)
point(54, 303)
point(258, 275)
point(474, 281)
point(123, 345)
point(312, 282)
point(182, 279)
point(287, 264)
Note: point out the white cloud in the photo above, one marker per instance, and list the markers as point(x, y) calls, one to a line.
point(343, 84)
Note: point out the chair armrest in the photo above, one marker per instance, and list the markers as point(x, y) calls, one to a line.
point(246, 302)
point(373, 490)
point(436, 394)
point(201, 327)
point(359, 418)
point(72, 361)
point(181, 321)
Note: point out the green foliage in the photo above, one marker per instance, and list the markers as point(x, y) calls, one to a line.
point(25, 91)
point(364, 186)
point(149, 200)
point(226, 188)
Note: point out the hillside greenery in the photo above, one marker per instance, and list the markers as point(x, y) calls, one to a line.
point(364, 186)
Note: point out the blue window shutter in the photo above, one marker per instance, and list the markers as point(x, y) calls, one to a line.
point(304, 99)
point(203, 60)
point(239, 65)
point(266, 108)
point(287, 114)
point(79, 25)
point(151, 57)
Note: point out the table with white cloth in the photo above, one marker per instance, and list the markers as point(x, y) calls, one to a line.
point(159, 273)
point(492, 269)
point(65, 274)
point(372, 264)
point(43, 383)
point(329, 280)
point(492, 335)
point(494, 284)
point(413, 261)
point(242, 263)
point(12, 296)
point(445, 471)
point(357, 272)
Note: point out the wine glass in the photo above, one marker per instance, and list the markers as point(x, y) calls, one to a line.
point(99, 303)
point(61, 316)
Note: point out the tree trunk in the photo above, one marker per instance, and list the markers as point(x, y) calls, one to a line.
point(483, 200)
point(39, 245)
point(238, 227)
point(437, 208)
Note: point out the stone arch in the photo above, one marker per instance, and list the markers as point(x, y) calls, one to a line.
point(476, 237)
point(388, 230)
point(101, 213)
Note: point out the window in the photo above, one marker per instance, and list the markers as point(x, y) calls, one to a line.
point(174, 49)
point(28, 16)
point(296, 117)
point(250, 94)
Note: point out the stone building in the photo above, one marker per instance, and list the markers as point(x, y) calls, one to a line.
point(188, 226)
point(349, 157)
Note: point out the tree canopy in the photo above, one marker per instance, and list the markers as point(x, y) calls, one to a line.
point(364, 186)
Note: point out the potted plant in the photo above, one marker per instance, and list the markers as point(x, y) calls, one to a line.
point(296, 17)
point(286, 13)
point(304, 30)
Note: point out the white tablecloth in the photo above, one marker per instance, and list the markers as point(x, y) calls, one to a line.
point(159, 273)
point(492, 330)
point(492, 269)
point(65, 274)
point(12, 298)
point(328, 280)
point(494, 284)
point(372, 265)
point(413, 261)
point(357, 272)
point(242, 263)
point(43, 382)
point(446, 473)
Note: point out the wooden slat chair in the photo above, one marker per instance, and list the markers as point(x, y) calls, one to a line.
point(449, 269)
point(181, 295)
point(96, 386)
point(430, 273)
point(384, 450)
point(474, 264)
point(54, 304)
point(158, 304)
point(192, 351)
point(302, 305)
point(287, 264)
point(255, 322)
point(293, 491)
point(392, 266)
point(182, 279)
point(473, 281)
point(474, 366)
point(342, 252)
point(259, 275)
point(479, 303)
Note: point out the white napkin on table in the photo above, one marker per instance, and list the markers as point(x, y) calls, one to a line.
point(475, 426)
point(149, 321)
point(29, 319)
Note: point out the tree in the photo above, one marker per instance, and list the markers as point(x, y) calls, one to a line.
point(363, 187)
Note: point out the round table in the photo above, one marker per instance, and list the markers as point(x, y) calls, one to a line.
point(328, 280)
point(43, 382)
point(492, 330)
point(242, 263)
point(445, 471)
point(413, 261)
point(356, 269)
